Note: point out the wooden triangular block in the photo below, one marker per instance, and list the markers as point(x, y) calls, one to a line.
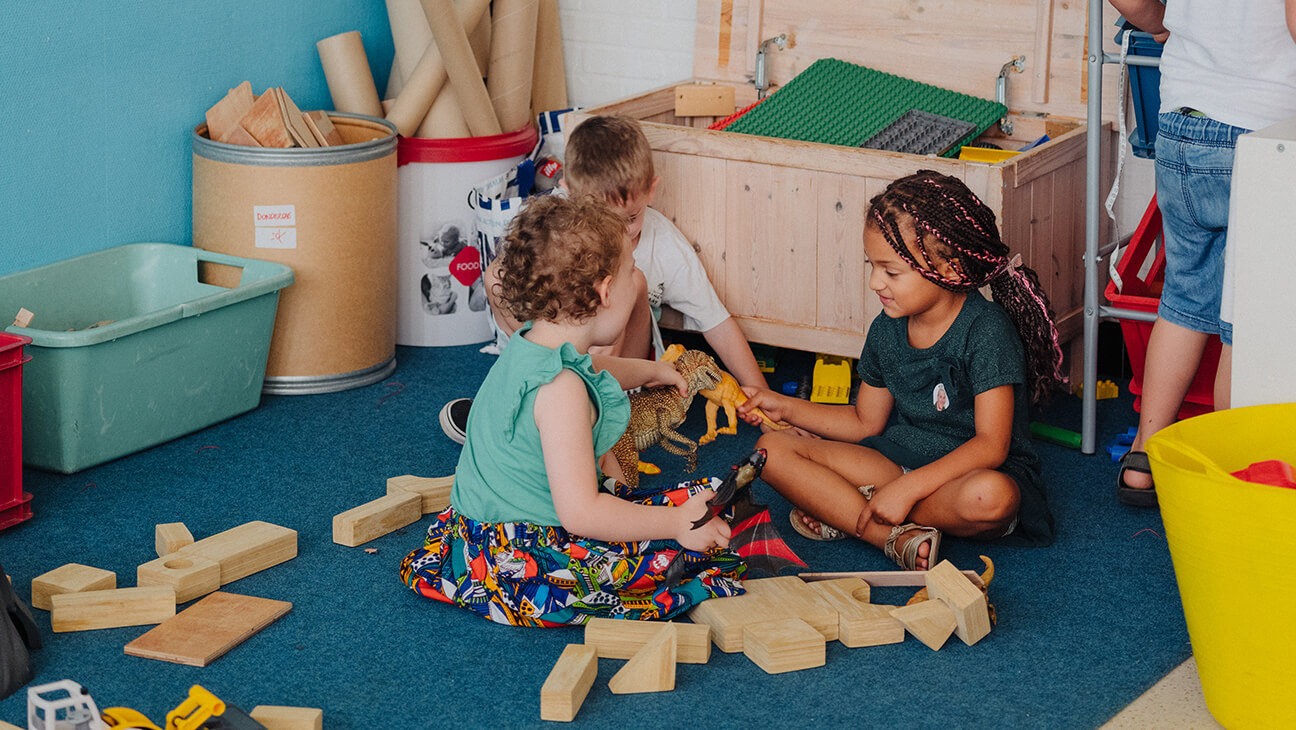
point(652, 669)
point(931, 621)
point(946, 584)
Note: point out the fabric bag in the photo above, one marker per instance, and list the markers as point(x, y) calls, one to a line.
point(495, 201)
point(18, 636)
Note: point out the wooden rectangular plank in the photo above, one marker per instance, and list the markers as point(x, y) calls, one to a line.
point(568, 682)
point(435, 491)
point(112, 608)
point(620, 639)
point(277, 717)
point(200, 634)
point(246, 549)
point(371, 520)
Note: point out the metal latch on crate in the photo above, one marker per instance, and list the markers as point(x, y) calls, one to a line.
point(761, 78)
point(1018, 64)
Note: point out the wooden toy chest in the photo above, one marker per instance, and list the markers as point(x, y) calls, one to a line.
point(779, 223)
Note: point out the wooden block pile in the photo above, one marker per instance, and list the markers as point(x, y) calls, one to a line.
point(81, 597)
point(268, 120)
point(782, 624)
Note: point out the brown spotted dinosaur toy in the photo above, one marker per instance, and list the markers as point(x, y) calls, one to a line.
point(656, 413)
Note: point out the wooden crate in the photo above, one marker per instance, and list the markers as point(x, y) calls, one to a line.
point(779, 223)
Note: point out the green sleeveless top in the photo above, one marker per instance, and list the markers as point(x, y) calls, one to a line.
point(501, 475)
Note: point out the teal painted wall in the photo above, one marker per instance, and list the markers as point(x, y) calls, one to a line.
point(98, 100)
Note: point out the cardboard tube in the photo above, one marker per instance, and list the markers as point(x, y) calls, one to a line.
point(425, 81)
point(394, 83)
point(346, 71)
point(480, 40)
point(513, 26)
point(456, 54)
point(410, 33)
point(549, 76)
point(445, 118)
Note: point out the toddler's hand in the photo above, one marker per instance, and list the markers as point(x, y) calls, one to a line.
point(767, 400)
point(664, 373)
point(891, 504)
point(715, 533)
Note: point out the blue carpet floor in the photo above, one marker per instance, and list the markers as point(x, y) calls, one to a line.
point(1085, 626)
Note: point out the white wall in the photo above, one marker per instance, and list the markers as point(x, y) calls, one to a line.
point(616, 48)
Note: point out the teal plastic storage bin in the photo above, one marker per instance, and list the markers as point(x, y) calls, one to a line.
point(130, 348)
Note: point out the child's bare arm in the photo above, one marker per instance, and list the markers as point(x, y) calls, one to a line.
point(636, 372)
point(840, 423)
point(564, 417)
point(986, 450)
point(1146, 15)
point(729, 342)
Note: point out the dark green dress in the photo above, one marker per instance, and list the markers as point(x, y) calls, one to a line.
point(934, 389)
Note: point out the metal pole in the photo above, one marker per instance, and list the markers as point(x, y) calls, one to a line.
point(1093, 155)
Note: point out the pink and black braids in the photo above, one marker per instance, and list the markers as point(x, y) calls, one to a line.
point(954, 225)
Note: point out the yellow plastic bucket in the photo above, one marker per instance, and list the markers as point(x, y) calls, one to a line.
point(1233, 544)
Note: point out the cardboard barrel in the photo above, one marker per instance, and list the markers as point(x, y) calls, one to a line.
point(328, 213)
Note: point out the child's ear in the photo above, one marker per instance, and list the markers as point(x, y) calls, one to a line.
point(603, 287)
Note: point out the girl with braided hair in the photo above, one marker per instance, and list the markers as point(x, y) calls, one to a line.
point(938, 439)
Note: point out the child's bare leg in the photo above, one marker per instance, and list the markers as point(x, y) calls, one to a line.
point(490, 277)
point(979, 505)
point(823, 477)
point(636, 340)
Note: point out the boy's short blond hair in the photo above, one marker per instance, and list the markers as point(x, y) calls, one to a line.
point(555, 251)
point(608, 157)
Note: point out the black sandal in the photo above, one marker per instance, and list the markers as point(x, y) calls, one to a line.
point(1131, 496)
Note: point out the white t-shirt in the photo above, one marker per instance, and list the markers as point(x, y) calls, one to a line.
point(675, 277)
point(1235, 62)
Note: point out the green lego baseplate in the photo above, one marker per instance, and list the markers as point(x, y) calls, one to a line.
point(836, 102)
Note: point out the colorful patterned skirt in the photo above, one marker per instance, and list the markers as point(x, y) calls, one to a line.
point(533, 575)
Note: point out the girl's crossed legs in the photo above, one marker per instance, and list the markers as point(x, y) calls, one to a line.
point(823, 477)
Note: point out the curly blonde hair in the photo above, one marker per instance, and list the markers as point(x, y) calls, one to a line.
point(555, 251)
point(608, 157)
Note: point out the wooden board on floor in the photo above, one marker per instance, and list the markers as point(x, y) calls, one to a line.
point(199, 634)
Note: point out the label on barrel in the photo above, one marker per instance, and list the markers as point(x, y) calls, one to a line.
point(276, 237)
point(274, 226)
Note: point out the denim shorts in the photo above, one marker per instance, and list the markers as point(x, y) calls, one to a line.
point(1194, 170)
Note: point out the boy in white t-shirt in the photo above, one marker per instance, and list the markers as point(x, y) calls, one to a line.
point(609, 157)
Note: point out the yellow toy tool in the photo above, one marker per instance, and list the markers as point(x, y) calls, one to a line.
point(195, 710)
point(124, 718)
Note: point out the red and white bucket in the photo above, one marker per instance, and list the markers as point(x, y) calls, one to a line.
point(440, 296)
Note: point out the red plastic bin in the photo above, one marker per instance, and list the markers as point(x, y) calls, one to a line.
point(1142, 274)
point(15, 504)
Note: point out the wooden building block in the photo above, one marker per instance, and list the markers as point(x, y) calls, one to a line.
point(319, 120)
point(652, 668)
point(23, 318)
point(113, 608)
point(704, 100)
point(192, 576)
point(860, 623)
point(239, 135)
point(620, 639)
point(793, 597)
point(359, 525)
point(275, 717)
point(784, 645)
point(931, 621)
point(435, 491)
point(70, 578)
point(727, 616)
point(170, 537)
point(301, 133)
point(224, 116)
point(947, 584)
point(568, 682)
point(6, 726)
point(246, 549)
point(200, 634)
point(265, 122)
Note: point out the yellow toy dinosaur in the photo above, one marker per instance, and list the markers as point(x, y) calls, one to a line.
point(727, 395)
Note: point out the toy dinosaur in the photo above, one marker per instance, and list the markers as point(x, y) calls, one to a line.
point(727, 395)
point(655, 413)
